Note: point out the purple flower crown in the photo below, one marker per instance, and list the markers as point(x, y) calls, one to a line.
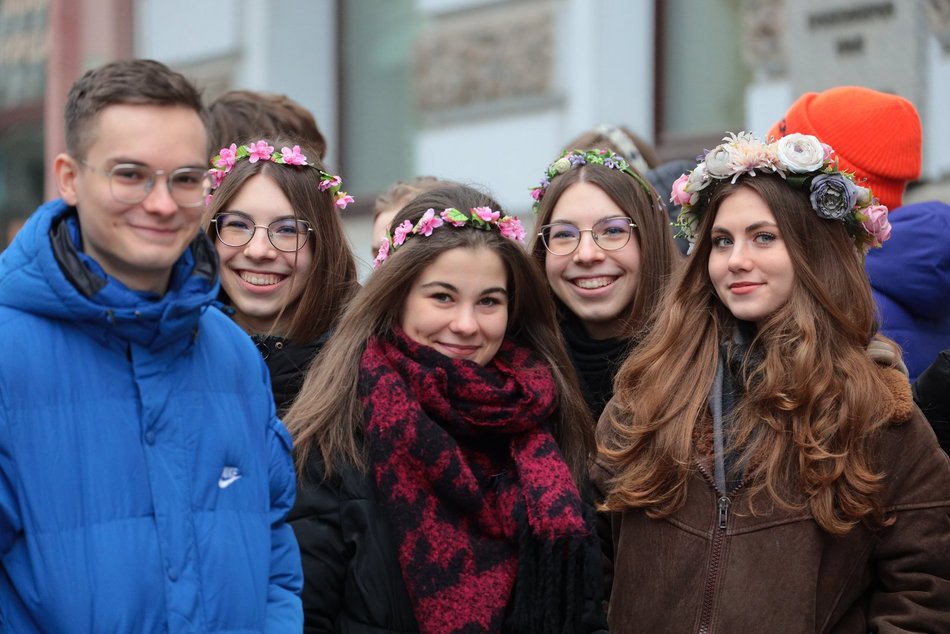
point(481, 218)
point(576, 158)
point(805, 163)
point(226, 158)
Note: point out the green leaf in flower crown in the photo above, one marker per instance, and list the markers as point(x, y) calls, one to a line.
point(454, 215)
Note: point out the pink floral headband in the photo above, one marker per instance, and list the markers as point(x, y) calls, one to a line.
point(228, 157)
point(481, 218)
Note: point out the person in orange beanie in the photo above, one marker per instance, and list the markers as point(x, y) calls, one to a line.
point(877, 136)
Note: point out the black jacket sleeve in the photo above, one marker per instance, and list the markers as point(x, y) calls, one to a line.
point(932, 395)
point(317, 525)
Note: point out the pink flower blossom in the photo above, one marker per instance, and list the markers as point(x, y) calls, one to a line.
point(486, 214)
point(258, 151)
point(217, 177)
point(343, 199)
point(877, 225)
point(829, 151)
point(293, 156)
point(328, 183)
point(679, 195)
point(428, 223)
point(226, 158)
point(400, 233)
point(208, 199)
point(536, 193)
point(383, 254)
point(511, 228)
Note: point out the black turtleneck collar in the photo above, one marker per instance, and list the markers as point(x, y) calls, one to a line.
point(596, 361)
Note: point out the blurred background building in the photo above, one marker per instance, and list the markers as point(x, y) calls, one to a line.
point(482, 91)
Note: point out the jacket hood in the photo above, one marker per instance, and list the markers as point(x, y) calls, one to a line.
point(913, 268)
point(43, 272)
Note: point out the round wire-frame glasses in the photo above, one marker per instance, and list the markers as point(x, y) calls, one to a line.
point(285, 234)
point(610, 234)
point(131, 183)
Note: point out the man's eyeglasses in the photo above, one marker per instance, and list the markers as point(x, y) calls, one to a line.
point(131, 183)
point(236, 229)
point(610, 234)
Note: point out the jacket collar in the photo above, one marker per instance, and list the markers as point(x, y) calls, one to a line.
point(45, 272)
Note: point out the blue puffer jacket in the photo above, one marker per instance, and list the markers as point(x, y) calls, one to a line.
point(144, 476)
point(910, 278)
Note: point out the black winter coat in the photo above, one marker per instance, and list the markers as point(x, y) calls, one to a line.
point(352, 580)
point(287, 362)
point(932, 394)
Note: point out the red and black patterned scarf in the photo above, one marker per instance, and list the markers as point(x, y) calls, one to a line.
point(491, 528)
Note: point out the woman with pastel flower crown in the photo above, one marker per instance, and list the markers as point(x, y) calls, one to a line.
point(605, 245)
point(760, 472)
point(286, 266)
point(441, 441)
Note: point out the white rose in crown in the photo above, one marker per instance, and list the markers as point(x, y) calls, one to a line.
point(698, 179)
point(719, 162)
point(800, 153)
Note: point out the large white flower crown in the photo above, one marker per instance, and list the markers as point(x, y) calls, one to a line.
point(805, 163)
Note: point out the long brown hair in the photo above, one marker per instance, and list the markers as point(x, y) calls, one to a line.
point(811, 409)
point(328, 415)
point(332, 280)
point(658, 254)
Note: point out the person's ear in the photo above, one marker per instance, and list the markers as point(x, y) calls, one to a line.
point(66, 171)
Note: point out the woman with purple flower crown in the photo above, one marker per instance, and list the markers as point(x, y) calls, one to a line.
point(286, 266)
point(761, 473)
point(607, 284)
point(442, 443)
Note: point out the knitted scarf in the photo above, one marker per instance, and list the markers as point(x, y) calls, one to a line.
point(490, 525)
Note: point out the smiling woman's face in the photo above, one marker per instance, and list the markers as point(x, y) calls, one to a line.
point(259, 279)
point(598, 286)
point(749, 264)
point(459, 305)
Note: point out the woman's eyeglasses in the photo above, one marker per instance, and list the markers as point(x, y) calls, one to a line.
point(236, 230)
point(610, 234)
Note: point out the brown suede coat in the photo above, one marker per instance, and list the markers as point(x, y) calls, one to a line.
point(779, 571)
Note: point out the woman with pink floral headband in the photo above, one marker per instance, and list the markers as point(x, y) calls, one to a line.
point(760, 471)
point(442, 443)
point(286, 266)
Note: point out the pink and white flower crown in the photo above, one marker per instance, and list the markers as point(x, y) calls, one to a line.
point(805, 163)
point(225, 160)
point(481, 218)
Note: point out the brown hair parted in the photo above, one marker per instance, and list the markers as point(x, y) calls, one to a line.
point(132, 81)
point(243, 115)
point(333, 279)
point(658, 253)
point(328, 417)
point(810, 408)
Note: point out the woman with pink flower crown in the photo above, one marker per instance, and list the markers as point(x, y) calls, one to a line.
point(286, 266)
point(442, 443)
point(759, 470)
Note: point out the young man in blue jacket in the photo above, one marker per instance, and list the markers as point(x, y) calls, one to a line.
point(144, 475)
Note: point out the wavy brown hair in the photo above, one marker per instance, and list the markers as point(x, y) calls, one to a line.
point(806, 423)
point(658, 254)
point(332, 280)
point(328, 415)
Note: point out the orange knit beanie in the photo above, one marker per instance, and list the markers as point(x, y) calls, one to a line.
point(874, 134)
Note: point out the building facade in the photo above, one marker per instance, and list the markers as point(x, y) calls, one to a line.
point(486, 92)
